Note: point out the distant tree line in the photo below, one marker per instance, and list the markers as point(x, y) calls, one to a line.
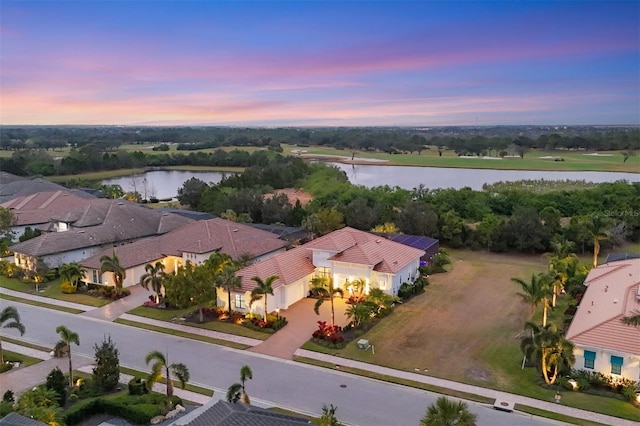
point(392, 140)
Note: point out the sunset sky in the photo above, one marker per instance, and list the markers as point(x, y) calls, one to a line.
point(319, 63)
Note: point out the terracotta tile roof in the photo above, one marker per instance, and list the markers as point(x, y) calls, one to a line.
point(234, 239)
point(289, 266)
point(351, 245)
point(40, 207)
point(15, 186)
point(113, 221)
point(613, 292)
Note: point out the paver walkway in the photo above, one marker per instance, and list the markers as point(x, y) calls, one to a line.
point(302, 322)
point(115, 309)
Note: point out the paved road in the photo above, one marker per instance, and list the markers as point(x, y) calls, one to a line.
point(287, 384)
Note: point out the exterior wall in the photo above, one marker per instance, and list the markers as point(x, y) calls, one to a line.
point(57, 259)
point(602, 363)
point(320, 258)
point(195, 258)
point(407, 274)
point(268, 255)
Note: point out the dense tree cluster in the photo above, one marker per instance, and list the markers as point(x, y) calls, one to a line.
point(500, 219)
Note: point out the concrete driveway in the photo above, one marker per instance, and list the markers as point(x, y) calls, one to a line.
point(118, 307)
point(302, 322)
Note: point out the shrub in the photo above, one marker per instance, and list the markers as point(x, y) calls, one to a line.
point(57, 382)
point(5, 408)
point(9, 397)
point(68, 288)
point(137, 386)
point(6, 367)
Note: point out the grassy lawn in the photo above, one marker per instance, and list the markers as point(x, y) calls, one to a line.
point(24, 360)
point(221, 326)
point(466, 328)
point(40, 304)
point(182, 334)
point(573, 161)
point(52, 290)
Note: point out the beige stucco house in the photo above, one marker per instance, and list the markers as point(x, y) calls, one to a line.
point(344, 255)
point(603, 343)
point(194, 243)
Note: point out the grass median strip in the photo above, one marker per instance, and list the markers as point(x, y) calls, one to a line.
point(25, 360)
point(189, 387)
point(183, 334)
point(41, 304)
point(26, 344)
point(555, 416)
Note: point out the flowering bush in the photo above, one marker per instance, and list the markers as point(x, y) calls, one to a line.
point(354, 299)
point(328, 334)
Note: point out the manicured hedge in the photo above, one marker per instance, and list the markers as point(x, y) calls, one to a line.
point(139, 409)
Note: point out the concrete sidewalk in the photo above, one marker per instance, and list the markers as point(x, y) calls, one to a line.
point(47, 300)
point(28, 380)
point(462, 387)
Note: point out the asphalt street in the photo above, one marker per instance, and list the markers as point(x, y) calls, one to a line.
point(277, 382)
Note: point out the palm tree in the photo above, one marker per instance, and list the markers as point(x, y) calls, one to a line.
point(598, 227)
point(445, 412)
point(323, 287)
point(549, 349)
point(112, 264)
point(633, 320)
point(228, 280)
point(67, 338)
point(561, 269)
point(328, 417)
point(360, 313)
point(535, 291)
point(10, 318)
point(237, 391)
point(262, 289)
point(161, 362)
point(153, 277)
point(71, 272)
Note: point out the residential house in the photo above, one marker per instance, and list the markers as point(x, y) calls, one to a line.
point(81, 233)
point(429, 245)
point(12, 186)
point(194, 242)
point(603, 343)
point(344, 255)
point(36, 210)
point(223, 413)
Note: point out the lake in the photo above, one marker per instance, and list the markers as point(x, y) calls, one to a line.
point(165, 183)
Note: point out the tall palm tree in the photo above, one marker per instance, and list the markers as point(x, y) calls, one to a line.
point(548, 348)
point(262, 289)
point(598, 228)
point(561, 269)
point(10, 318)
point(445, 412)
point(161, 362)
point(228, 280)
point(67, 338)
point(534, 292)
point(153, 278)
point(112, 264)
point(323, 287)
point(237, 391)
point(71, 272)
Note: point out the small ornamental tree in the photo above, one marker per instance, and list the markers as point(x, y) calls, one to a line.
point(58, 383)
point(106, 372)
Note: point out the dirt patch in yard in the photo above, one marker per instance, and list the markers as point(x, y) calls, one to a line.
point(293, 195)
point(461, 317)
